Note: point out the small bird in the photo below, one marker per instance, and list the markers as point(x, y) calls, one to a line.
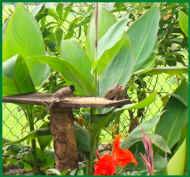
point(61, 93)
point(64, 92)
point(116, 93)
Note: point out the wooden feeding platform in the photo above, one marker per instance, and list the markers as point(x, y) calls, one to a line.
point(61, 120)
point(66, 102)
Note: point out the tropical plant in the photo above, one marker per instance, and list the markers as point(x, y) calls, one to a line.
point(115, 52)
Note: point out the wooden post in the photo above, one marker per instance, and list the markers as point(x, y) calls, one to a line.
point(65, 147)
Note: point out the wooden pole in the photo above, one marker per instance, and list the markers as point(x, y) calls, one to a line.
point(65, 147)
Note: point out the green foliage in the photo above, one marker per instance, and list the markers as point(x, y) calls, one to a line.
point(72, 52)
point(141, 104)
point(22, 36)
point(61, 22)
point(71, 74)
point(84, 80)
point(103, 120)
point(143, 35)
point(105, 21)
point(148, 128)
point(160, 70)
point(136, 135)
point(44, 139)
point(111, 37)
point(126, 50)
point(15, 71)
point(83, 138)
point(177, 164)
point(119, 71)
point(172, 43)
point(175, 115)
point(183, 22)
point(102, 63)
point(19, 158)
point(110, 44)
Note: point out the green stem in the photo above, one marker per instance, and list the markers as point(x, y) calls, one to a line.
point(29, 115)
point(92, 153)
point(93, 131)
point(94, 140)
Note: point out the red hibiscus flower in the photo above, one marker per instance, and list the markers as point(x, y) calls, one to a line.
point(105, 165)
point(121, 156)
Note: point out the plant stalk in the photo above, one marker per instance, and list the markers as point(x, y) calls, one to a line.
point(29, 115)
point(92, 154)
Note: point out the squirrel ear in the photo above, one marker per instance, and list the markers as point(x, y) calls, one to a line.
point(72, 87)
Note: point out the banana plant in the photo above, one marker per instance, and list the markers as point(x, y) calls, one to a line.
point(112, 54)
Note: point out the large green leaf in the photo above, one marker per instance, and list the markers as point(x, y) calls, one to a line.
point(82, 138)
point(44, 140)
point(161, 70)
point(111, 37)
point(72, 75)
point(72, 52)
point(175, 116)
point(160, 164)
point(146, 127)
point(110, 44)
point(182, 93)
point(108, 56)
point(143, 35)
point(183, 22)
point(16, 77)
point(141, 104)
point(105, 21)
point(177, 163)
point(23, 37)
point(38, 72)
point(118, 71)
point(158, 141)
